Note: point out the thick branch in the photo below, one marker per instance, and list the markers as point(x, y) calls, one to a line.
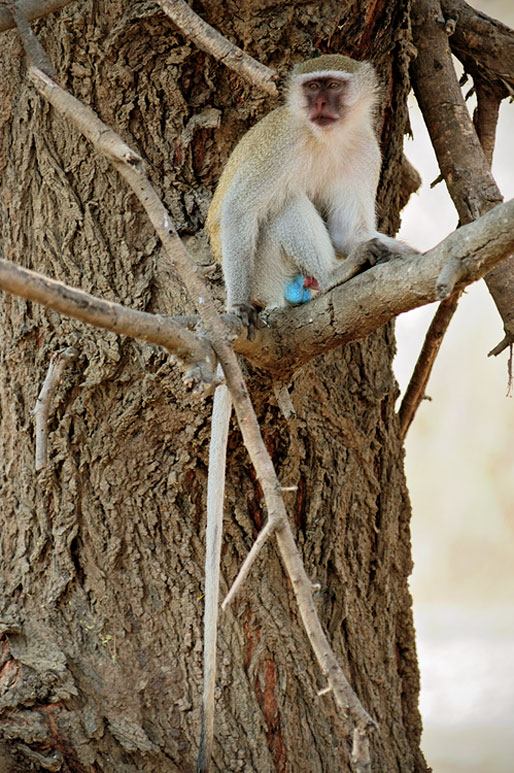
point(294, 336)
point(207, 39)
point(355, 309)
point(460, 156)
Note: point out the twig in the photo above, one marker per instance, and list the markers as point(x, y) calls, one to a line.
point(58, 362)
point(423, 368)
point(262, 538)
point(129, 165)
point(193, 351)
point(360, 752)
point(452, 271)
point(213, 42)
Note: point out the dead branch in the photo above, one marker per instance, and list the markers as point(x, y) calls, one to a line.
point(256, 548)
point(461, 159)
point(207, 39)
point(417, 385)
point(58, 362)
point(130, 166)
point(194, 352)
point(485, 117)
point(29, 9)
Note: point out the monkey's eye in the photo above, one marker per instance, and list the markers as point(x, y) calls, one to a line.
point(334, 85)
point(313, 86)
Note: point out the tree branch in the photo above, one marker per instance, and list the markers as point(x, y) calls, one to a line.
point(353, 310)
point(208, 39)
point(417, 385)
point(289, 338)
point(58, 362)
point(193, 351)
point(484, 45)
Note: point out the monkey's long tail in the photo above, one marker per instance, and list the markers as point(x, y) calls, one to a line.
point(221, 411)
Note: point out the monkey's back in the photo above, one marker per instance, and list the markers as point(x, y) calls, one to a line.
point(255, 156)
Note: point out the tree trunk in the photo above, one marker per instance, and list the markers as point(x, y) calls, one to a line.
point(102, 551)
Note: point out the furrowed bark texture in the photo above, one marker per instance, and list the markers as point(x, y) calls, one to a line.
point(101, 614)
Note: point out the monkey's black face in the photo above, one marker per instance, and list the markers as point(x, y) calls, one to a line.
point(325, 100)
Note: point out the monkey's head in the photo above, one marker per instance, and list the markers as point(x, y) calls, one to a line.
point(327, 90)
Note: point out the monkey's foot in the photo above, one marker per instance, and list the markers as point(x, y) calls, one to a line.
point(364, 256)
point(248, 315)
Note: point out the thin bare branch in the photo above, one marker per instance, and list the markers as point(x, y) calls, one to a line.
point(259, 543)
point(193, 351)
point(417, 385)
point(58, 362)
point(206, 38)
point(30, 9)
point(360, 752)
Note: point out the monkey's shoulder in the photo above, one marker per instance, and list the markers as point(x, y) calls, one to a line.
point(266, 141)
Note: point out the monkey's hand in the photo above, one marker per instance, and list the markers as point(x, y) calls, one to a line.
point(366, 255)
point(248, 315)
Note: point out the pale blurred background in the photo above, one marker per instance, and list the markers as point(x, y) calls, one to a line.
point(460, 468)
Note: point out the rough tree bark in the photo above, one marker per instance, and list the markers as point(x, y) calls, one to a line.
point(102, 552)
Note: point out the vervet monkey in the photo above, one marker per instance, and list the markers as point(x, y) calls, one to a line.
point(300, 187)
point(298, 190)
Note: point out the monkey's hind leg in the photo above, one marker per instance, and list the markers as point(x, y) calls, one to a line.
point(303, 235)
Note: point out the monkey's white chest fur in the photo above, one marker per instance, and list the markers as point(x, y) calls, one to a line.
point(322, 203)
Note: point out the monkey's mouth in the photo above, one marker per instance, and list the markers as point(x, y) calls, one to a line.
point(324, 120)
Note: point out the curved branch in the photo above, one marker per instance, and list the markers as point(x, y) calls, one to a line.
point(213, 42)
point(354, 310)
point(194, 351)
point(289, 338)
